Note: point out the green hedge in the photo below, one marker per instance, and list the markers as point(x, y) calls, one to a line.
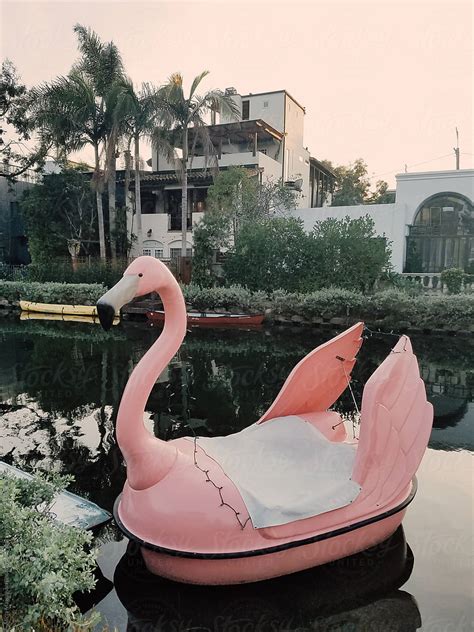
point(62, 293)
point(392, 308)
point(389, 308)
point(234, 296)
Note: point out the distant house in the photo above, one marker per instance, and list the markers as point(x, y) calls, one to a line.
point(430, 225)
point(267, 139)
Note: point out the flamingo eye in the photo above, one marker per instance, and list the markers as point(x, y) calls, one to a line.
point(140, 274)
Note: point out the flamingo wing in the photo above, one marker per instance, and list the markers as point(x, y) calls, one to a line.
point(319, 378)
point(396, 421)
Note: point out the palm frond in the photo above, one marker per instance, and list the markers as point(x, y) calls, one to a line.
point(196, 82)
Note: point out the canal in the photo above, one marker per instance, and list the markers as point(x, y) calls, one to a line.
point(60, 386)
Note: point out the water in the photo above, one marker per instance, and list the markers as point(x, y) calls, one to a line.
point(60, 385)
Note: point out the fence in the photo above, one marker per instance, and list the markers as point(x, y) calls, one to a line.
point(432, 281)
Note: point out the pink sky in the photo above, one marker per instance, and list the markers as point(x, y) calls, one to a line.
point(385, 81)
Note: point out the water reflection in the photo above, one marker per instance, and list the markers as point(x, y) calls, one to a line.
point(360, 592)
point(60, 386)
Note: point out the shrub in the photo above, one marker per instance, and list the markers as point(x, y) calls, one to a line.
point(67, 293)
point(61, 271)
point(202, 298)
point(42, 562)
point(453, 278)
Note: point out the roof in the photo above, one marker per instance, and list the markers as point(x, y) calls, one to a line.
point(261, 94)
point(240, 130)
point(194, 175)
point(321, 166)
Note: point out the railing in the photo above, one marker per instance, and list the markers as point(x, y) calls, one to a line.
point(432, 281)
point(174, 222)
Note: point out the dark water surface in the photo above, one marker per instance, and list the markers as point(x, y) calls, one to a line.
point(60, 385)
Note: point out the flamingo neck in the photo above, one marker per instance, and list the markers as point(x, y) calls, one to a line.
point(148, 458)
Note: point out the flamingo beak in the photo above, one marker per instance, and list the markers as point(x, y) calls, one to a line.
point(111, 303)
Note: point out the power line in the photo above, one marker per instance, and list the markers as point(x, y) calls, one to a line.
point(416, 164)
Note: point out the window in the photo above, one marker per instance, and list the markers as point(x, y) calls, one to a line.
point(158, 253)
point(442, 235)
point(147, 252)
point(245, 110)
point(175, 253)
point(265, 104)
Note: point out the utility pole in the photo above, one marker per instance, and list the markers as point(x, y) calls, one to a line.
point(456, 150)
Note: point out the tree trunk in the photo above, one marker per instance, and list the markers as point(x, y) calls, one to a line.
point(128, 203)
point(138, 194)
point(184, 194)
point(111, 186)
point(100, 211)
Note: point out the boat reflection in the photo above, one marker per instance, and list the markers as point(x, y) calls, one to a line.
point(360, 592)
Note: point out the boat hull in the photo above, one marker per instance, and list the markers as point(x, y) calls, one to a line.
point(253, 569)
point(51, 308)
point(276, 561)
point(213, 320)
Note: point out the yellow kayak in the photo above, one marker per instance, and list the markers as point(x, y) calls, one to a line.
point(51, 308)
point(65, 317)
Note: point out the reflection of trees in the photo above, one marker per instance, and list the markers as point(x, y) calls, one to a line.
point(64, 377)
point(63, 383)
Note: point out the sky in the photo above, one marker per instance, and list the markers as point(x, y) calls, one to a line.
point(384, 81)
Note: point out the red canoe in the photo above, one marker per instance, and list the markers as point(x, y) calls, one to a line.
point(209, 319)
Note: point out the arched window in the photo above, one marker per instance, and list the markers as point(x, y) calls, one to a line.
point(442, 235)
point(153, 248)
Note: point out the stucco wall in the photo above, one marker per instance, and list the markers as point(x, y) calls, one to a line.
point(414, 188)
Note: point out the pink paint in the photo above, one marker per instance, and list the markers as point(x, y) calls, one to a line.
point(168, 504)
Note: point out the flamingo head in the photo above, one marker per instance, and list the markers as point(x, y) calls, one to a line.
point(143, 275)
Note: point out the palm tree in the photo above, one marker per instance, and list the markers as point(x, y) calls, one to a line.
point(177, 114)
point(70, 114)
point(102, 63)
point(136, 112)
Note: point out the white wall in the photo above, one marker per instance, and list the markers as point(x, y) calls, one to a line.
point(158, 224)
point(273, 113)
point(414, 188)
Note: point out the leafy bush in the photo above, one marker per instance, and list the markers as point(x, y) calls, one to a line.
point(453, 278)
point(202, 298)
point(270, 255)
point(62, 293)
point(278, 254)
point(331, 302)
point(61, 271)
point(42, 562)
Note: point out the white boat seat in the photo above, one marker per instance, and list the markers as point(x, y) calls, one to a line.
point(285, 470)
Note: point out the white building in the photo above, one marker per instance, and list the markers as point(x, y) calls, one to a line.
point(430, 224)
point(267, 139)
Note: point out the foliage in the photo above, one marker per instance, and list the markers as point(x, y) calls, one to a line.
point(223, 298)
point(348, 253)
point(453, 278)
point(270, 255)
point(389, 309)
point(279, 254)
point(42, 562)
point(352, 185)
point(179, 114)
point(59, 293)
point(16, 118)
point(235, 199)
point(60, 210)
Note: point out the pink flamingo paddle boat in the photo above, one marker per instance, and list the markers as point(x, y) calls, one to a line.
point(291, 491)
